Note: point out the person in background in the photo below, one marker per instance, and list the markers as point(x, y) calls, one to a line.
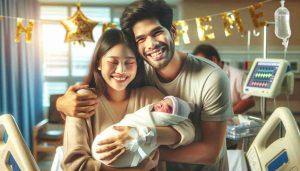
point(241, 102)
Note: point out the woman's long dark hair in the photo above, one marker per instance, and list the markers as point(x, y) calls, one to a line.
point(109, 39)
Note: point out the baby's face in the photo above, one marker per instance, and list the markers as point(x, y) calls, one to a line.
point(163, 106)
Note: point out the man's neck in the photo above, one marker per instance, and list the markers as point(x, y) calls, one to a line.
point(171, 71)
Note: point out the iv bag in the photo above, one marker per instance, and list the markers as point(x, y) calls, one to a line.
point(282, 22)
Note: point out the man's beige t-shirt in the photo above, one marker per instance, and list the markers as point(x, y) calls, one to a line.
point(204, 84)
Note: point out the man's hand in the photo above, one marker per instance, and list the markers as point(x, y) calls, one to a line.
point(77, 105)
point(146, 165)
point(150, 162)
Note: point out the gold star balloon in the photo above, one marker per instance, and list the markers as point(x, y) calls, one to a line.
point(79, 28)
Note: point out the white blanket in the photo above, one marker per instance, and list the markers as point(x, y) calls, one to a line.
point(142, 117)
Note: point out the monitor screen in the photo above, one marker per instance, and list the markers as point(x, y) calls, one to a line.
point(263, 74)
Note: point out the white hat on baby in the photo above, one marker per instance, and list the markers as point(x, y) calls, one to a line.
point(180, 107)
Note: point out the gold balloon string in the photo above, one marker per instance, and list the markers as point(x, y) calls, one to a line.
point(190, 19)
point(49, 21)
point(239, 9)
point(26, 19)
point(10, 17)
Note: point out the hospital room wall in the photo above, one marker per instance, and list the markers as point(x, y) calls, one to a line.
point(233, 49)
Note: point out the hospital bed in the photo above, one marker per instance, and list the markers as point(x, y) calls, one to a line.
point(282, 154)
point(12, 145)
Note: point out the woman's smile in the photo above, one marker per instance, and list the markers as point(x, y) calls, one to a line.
point(120, 78)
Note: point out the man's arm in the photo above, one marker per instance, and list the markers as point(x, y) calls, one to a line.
point(77, 105)
point(167, 136)
point(204, 152)
point(147, 164)
point(243, 105)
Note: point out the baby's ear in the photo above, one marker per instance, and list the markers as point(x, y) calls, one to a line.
point(192, 106)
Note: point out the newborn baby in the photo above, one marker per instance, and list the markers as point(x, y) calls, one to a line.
point(172, 105)
point(169, 111)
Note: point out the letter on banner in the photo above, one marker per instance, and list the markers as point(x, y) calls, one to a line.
point(181, 30)
point(229, 19)
point(202, 28)
point(238, 21)
point(256, 16)
point(20, 28)
point(106, 26)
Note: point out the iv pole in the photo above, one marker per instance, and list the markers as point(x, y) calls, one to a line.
point(263, 102)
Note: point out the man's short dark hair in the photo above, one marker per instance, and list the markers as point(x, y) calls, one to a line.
point(146, 9)
point(208, 51)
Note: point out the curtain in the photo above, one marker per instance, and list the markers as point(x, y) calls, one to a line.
point(20, 64)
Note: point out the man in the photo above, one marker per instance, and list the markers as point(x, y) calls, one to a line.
point(148, 23)
point(241, 102)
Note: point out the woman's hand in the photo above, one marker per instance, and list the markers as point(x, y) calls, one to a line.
point(77, 105)
point(113, 147)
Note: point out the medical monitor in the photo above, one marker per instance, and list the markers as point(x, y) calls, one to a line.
point(265, 77)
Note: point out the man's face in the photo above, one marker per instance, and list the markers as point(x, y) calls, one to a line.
point(155, 43)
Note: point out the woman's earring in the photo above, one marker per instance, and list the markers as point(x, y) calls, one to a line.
point(99, 68)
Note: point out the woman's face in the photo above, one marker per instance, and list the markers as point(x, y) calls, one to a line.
point(118, 67)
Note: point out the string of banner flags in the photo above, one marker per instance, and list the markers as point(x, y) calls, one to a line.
point(79, 28)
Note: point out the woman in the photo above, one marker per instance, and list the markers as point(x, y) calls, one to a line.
point(116, 75)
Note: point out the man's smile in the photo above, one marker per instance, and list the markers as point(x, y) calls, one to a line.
point(156, 54)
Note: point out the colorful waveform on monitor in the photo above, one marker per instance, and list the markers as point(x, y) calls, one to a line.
point(263, 74)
